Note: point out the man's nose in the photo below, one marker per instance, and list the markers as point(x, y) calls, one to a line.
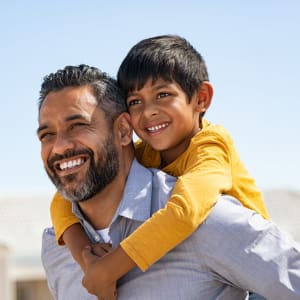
point(62, 144)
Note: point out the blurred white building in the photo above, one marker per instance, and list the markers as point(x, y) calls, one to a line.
point(22, 221)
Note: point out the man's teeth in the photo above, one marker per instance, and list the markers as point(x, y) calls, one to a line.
point(157, 127)
point(71, 164)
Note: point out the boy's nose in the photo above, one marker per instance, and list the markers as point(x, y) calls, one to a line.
point(150, 111)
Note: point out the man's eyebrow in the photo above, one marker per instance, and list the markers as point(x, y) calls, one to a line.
point(40, 128)
point(75, 117)
point(67, 119)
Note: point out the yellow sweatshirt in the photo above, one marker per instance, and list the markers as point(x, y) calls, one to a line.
point(208, 168)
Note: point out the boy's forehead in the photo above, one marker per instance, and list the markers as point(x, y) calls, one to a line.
point(154, 83)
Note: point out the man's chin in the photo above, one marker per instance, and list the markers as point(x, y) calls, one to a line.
point(68, 189)
point(69, 194)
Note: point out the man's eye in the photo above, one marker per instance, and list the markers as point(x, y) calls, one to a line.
point(134, 102)
point(46, 136)
point(163, 95)
point(77, 125)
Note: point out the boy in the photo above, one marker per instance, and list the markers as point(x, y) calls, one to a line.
point(166, 85)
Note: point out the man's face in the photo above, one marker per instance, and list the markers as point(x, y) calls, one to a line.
point(77, 148)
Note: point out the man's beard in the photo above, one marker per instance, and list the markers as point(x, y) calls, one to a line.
point(98, 176)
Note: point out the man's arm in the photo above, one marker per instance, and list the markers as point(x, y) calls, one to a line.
point(250, 252)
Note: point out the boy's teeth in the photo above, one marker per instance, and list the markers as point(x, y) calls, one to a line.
point(71, 164)
point(157, 127)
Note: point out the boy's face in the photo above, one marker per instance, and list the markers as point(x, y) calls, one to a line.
point(162, 116)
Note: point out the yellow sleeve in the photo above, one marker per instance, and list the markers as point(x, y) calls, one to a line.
point(208, 175)
point(61, 216)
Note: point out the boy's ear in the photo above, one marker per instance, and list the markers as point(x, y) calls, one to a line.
point(204, 96)
point(123, 129)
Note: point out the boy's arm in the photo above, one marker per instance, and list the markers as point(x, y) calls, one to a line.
point(206, 171)
point(101, 273)
point(181, 215)
point(67, 228)
point(69, 231)
point(205, 174)
point(76, 240)
point(61, 216)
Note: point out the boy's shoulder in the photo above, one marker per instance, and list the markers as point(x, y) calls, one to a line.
point(146, 155)
point(209, 128)
point(211, 132)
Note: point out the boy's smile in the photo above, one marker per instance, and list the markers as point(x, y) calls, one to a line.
point(163, 117)
point(157, 128)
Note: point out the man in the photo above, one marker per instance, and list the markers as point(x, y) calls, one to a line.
point(87, 152)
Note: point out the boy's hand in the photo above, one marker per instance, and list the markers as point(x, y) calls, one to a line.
point(101, 249)
point(94, 280)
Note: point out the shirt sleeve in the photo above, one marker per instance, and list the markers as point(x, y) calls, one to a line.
point(206, 173)
point(247, 251)
point(61, 216)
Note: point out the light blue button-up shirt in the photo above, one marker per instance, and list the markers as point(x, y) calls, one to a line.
point(233, 251)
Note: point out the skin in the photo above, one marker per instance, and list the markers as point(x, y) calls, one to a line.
point(69, 120)
point(162, 116)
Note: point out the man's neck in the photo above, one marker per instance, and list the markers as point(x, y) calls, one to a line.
point(100, 209)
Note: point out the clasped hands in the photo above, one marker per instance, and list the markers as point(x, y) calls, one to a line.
point(96, 279)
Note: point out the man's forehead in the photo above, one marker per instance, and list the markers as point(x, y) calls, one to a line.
point(68, 101)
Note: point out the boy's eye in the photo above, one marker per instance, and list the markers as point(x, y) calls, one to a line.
point(163, 95)
point(133, 102)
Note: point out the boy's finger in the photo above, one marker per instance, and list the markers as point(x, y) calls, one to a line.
point(101, 249)
point(106, 247)
point(87, 255)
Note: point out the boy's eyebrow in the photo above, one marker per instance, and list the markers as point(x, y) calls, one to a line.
point(67, 119)
point(161, 85)
point(154, 86)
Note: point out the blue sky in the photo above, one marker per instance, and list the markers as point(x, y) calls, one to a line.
point(251, 48)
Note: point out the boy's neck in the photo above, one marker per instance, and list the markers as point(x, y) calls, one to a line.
point(170, 155)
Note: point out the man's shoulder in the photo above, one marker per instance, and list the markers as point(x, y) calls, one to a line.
point(162, 180)
point(51, 251)
point(48, 236)
point(48, 242)
point(159, 177)
point(241, 226)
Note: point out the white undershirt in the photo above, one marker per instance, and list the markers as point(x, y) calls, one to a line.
point(104, 234)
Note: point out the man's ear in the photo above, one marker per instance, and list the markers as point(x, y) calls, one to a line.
point(205, 95)
point(123, 129)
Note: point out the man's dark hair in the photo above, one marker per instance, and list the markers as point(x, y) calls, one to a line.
point(109, 96)
point(169, 57)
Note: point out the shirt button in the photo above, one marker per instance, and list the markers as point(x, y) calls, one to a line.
point(96, 237)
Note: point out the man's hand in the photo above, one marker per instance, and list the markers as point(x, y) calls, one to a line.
point(95, 280)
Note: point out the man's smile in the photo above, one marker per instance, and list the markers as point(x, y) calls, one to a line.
point(70, 164)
